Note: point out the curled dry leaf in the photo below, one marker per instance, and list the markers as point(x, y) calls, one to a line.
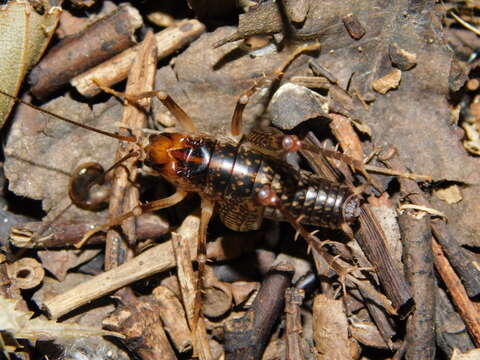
point(25, 35)
point(472, 141)
point(293, 104)
point(330, 330)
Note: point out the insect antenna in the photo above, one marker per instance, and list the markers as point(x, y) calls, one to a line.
point(47, 224)
point(129, 138)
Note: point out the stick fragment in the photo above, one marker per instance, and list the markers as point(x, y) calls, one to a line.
point(98, 42)
point(116, 69)
point(157, 259)
point(188, 288)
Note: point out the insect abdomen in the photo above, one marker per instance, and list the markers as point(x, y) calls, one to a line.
point(315, 201)
point(232, 172)
point(236, 173)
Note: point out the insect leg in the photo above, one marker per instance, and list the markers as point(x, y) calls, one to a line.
point(267, 197)
point(179, 114)
point(236, 127)
point(177, 111)
point(137, 211)
point(237, 117)
point(273, 142)
point(207, 207)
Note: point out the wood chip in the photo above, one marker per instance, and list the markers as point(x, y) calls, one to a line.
point(388, 82)
point(353, 26)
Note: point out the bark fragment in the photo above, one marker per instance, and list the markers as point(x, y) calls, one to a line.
point(98, 42)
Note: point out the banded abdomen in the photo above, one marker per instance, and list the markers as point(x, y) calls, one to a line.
point(232, 174)
point(236, 173)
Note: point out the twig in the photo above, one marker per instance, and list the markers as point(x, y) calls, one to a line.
point(457, 256)
point(116, 69)
point(465, 24)
point(293, 323)
point(152, 261)
point(419, 269)
point(98, 42)
point(188, 288)
point(400, 353)
point(321, 71)
point(174, 318)
point(370, 237)
point(247, 337)
point(466, 308)
point(124, 196)
point(138, 319)
point(69, 233)
point(423, 209)
point(386, 171)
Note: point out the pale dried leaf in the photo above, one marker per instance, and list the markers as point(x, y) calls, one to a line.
point(42, 152)
point(472, 142)
point(362, 127)
point(58, 262)
point(471, 355)
point(20, 325)
point(25, 35)
point(451, 194)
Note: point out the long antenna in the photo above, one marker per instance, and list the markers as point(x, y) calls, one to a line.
point(106, 133)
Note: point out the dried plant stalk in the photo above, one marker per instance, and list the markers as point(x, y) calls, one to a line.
point(419, 269)
point(293, 323)
point(188, 288)
point(124, 196)
point(247, 337)
point(173, 318)
point(468, 310)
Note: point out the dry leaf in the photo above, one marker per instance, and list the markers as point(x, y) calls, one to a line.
point(58, 262)
point(25, 35)
point(471, 355)
point(472, 143)
point(362, 127)
point(451, 194)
